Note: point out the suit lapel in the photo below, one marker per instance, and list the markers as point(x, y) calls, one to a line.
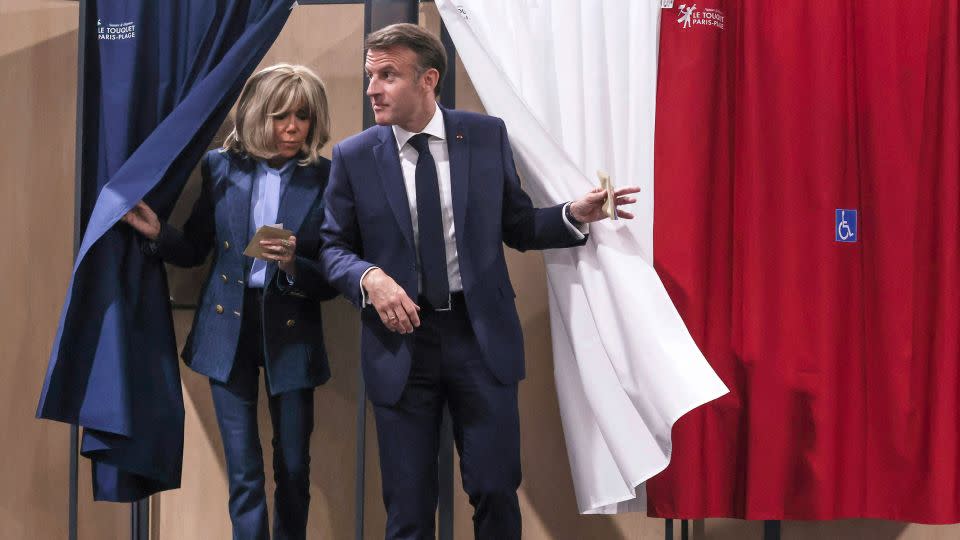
point(298, 198)
point(458, 147)
point(237, 199)
point(295, 203)
point(391, 177)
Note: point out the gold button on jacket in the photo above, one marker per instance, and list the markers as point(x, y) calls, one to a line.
point(219, 308)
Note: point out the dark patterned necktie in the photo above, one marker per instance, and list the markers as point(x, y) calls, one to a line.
point(433, 250)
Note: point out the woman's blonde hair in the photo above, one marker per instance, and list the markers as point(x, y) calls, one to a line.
point(273, 92)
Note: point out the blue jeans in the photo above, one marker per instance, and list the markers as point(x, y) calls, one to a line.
point(291, 414)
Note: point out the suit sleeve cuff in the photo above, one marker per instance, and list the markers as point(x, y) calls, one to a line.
point(363, 293)
point(579, 231)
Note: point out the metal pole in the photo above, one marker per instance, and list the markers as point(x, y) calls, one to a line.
point(140, 519)
point(78, 222)
point(359, 487)
point(448, 98)
point(361, 455)
point(771, 529)
point(74, 468)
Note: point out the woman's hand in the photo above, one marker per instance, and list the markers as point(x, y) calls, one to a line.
point(144, 220)
point(283, 252)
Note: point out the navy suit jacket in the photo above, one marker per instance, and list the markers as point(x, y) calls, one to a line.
point(295, 356)
point(368, 224)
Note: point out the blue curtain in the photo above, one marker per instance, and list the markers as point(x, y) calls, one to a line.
point(160, 80)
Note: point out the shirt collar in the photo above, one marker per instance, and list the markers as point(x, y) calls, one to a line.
point(284, 169)
point(435, 128)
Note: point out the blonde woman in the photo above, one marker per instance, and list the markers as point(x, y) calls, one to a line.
point(257, 313)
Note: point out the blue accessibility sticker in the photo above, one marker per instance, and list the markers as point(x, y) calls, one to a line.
point(846, 225)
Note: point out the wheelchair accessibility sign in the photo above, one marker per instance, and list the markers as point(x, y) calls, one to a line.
point(845, 229)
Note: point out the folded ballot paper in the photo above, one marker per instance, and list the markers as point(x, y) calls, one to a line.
point(607, 185)
point(266, 232)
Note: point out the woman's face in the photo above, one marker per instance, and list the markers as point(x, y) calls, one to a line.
point(290, 130)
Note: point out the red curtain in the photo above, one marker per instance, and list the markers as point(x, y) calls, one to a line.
point(842, 358)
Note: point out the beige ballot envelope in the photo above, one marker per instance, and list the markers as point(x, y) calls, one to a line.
point(266, 232)
point(606, 184)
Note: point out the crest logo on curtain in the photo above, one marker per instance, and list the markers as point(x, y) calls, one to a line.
point(116, 31)
point(690, 17)
point(686, 14)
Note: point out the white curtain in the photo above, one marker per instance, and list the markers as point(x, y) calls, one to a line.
point(575, 82)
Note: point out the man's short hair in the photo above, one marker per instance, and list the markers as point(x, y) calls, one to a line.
point(428, 48)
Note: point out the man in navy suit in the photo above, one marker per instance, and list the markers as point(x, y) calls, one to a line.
point(418, 208)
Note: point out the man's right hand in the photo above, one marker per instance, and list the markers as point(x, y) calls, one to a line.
point(396, 309)
point(144, 220)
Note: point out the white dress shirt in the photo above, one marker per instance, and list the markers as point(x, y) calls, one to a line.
point(408, 164)
point(441, 156)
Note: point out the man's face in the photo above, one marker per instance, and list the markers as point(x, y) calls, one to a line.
point(397, 94)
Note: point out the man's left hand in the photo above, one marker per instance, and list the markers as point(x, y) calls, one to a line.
point(589, 208)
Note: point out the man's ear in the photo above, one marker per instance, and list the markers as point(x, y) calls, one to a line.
point(431, 78)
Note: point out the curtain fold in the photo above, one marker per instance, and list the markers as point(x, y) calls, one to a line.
point(575, 83)
point(161, 80)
